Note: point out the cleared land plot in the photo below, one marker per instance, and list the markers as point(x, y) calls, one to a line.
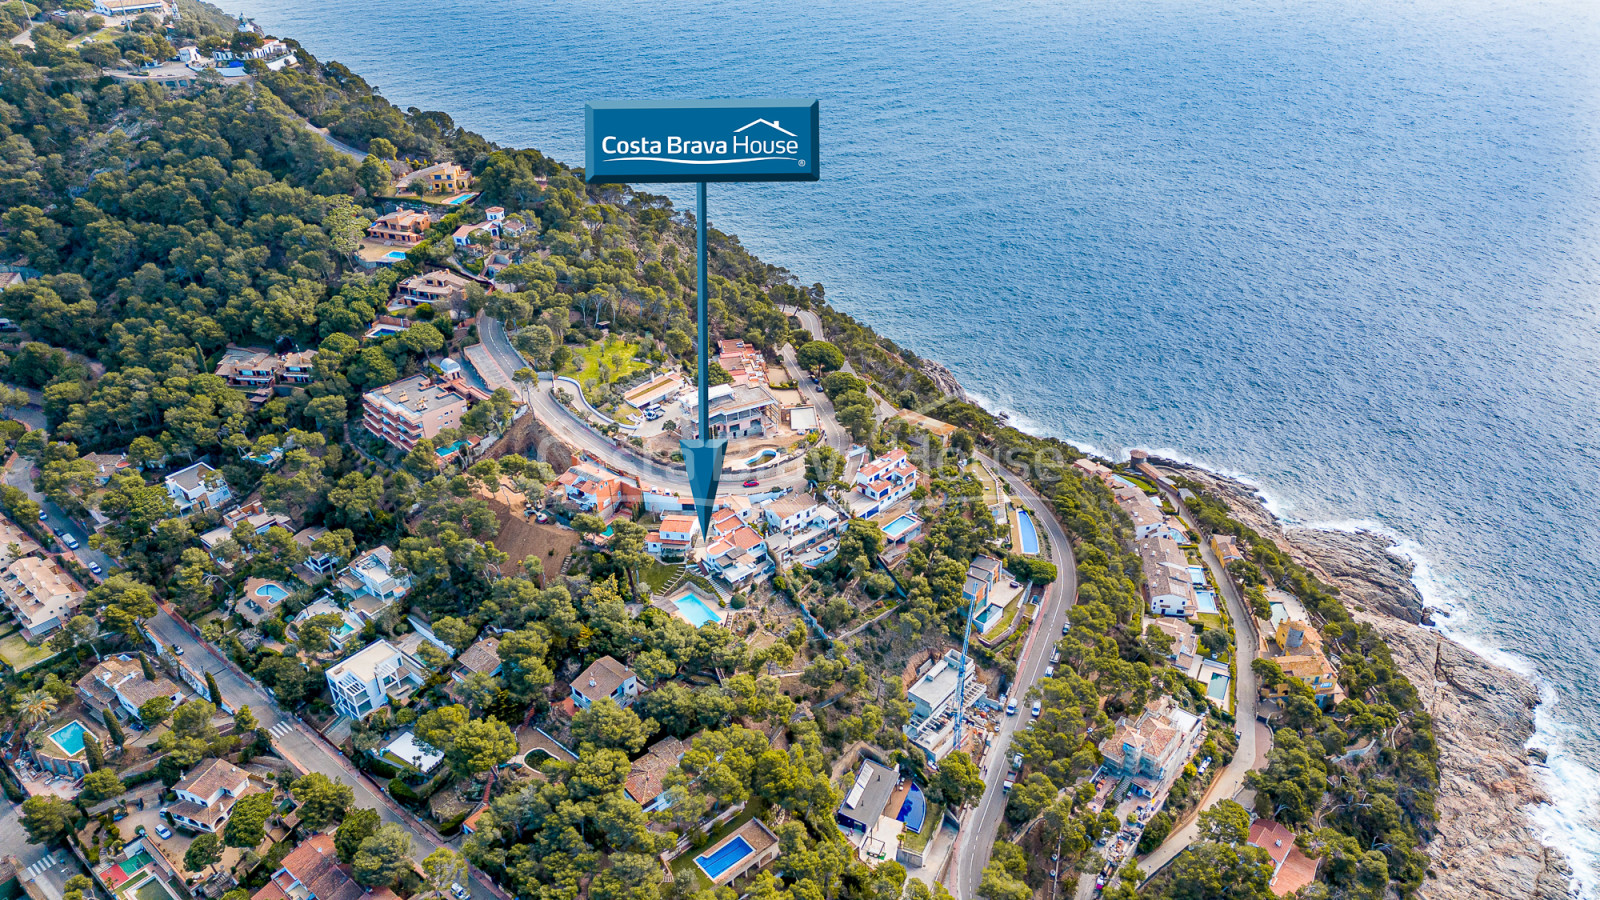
point(520, 537)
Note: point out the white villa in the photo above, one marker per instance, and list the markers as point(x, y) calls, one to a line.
point(367, 679)
point(197, 488)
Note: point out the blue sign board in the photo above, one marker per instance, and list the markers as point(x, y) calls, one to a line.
point(772, 139)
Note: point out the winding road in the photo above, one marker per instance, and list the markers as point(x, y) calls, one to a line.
point(981, 823)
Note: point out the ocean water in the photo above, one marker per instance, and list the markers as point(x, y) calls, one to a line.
point(1348, 251)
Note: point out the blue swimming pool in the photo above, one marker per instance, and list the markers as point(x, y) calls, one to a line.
point(697, 612)
point(725, 858)
point(1027, 534)
point(914, 810)
point(1218, 688)
point(273, 592)
point(900, 526)
point(999, 514)
point(69, 737)
point(761, 457)
point(395, 255)
point(1207, 601)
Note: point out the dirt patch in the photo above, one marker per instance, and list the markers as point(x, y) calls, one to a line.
point(520, 537)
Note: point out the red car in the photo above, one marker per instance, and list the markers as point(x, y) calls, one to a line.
point(751, 482)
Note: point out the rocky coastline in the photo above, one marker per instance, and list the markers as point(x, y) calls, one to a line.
point(1487, 845)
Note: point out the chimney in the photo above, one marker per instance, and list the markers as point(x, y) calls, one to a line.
point(591, 682)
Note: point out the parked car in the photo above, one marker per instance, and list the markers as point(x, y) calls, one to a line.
point(1055, 655)
point(8, 325)
point(460, 892)
point(1067, 627)
point(177, 650)
point(1011, 706)
point(542, 518)
point(1037, 709)
point(1010, 780)
point(163, 831)
point(751, 482)
point(43, 517)
point(69, 540)
point(1049, 671)
point(95, 568)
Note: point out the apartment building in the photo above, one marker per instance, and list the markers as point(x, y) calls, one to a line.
point(418, 407)
point(40, 594)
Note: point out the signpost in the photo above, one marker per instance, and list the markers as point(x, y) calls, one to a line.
point(654, 142)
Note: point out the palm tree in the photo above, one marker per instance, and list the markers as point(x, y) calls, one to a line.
point(34, 707)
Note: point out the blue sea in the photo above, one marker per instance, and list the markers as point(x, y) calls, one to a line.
point(1349, 251)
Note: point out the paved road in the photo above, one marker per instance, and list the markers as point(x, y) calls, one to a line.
point(837, 435)
point(577, 434)
point(981, 823)
point(1244, 759)
point(812, 323)
point(14, 839)
point(335, 143)
point(295, 741)
point(19, 474)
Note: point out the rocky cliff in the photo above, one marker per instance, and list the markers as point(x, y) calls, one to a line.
point(1487, 846)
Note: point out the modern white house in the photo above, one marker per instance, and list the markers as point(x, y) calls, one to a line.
point(197, 488)
point(978, 591)
point(206, 795)
point(674, 537)
point(349, 624)
point(883, 482)
point(605, 677)
point(372, 582)
point(1146, 515)
point(366, 680)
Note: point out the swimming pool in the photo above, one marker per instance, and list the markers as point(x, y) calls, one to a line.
point(1027, 534)
point(900, 526)
point(761, 457)
point(999, 514)
point(395, 255)
point(273, 592)
point(459, 199)
point(725, 858)
point(1207, 601)
point(69, 737)
point(1218, 688)
point(697, 612)
point(914, 811)
point(1197, 575)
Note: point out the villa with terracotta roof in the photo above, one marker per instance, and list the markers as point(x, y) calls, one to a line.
point(1296, 646)
point(1291, 869)
point(738, 557)
point(590, 489)
point(118, 682)
point(207, 794)
point(12, 535)
point(482, 658)
point(312, 871)
point(646, 779)
point(440, 287)
point(674, 537)
point(40, 593)
point(605, 677)
point(882, 483)
point(743, 361)
point(1168, 589)
point(404, 227)
point(1151, 750)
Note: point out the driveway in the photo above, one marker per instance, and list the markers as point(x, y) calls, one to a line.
point(1252, 743)
point(296, 742)
point(981, 823)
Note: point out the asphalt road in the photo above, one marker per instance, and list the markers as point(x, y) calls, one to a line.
point(19, 474)
point(1244, 759)
point(296, 742)
point(981, 823)
point(577, 434)
point(14, 838)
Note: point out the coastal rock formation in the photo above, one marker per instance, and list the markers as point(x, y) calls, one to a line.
point(1487, 845)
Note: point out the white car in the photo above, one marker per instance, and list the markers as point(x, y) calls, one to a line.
point(70, 541)
point(1011, 707)
point(1037, 709)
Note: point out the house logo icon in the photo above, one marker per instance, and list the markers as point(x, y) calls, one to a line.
point(770, 124)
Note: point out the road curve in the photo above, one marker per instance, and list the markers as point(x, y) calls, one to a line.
point(981, 823)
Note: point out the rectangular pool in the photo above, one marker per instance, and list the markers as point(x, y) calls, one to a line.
point(69, 737)
point(1027, 534)
point(697, 612)
point(395, 255)
point(1197, 575)
point(900, 526)
point(1218, 688)
point(1207, 601)
point(724, 858)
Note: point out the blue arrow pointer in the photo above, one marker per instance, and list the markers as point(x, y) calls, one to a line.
point(703, 459)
